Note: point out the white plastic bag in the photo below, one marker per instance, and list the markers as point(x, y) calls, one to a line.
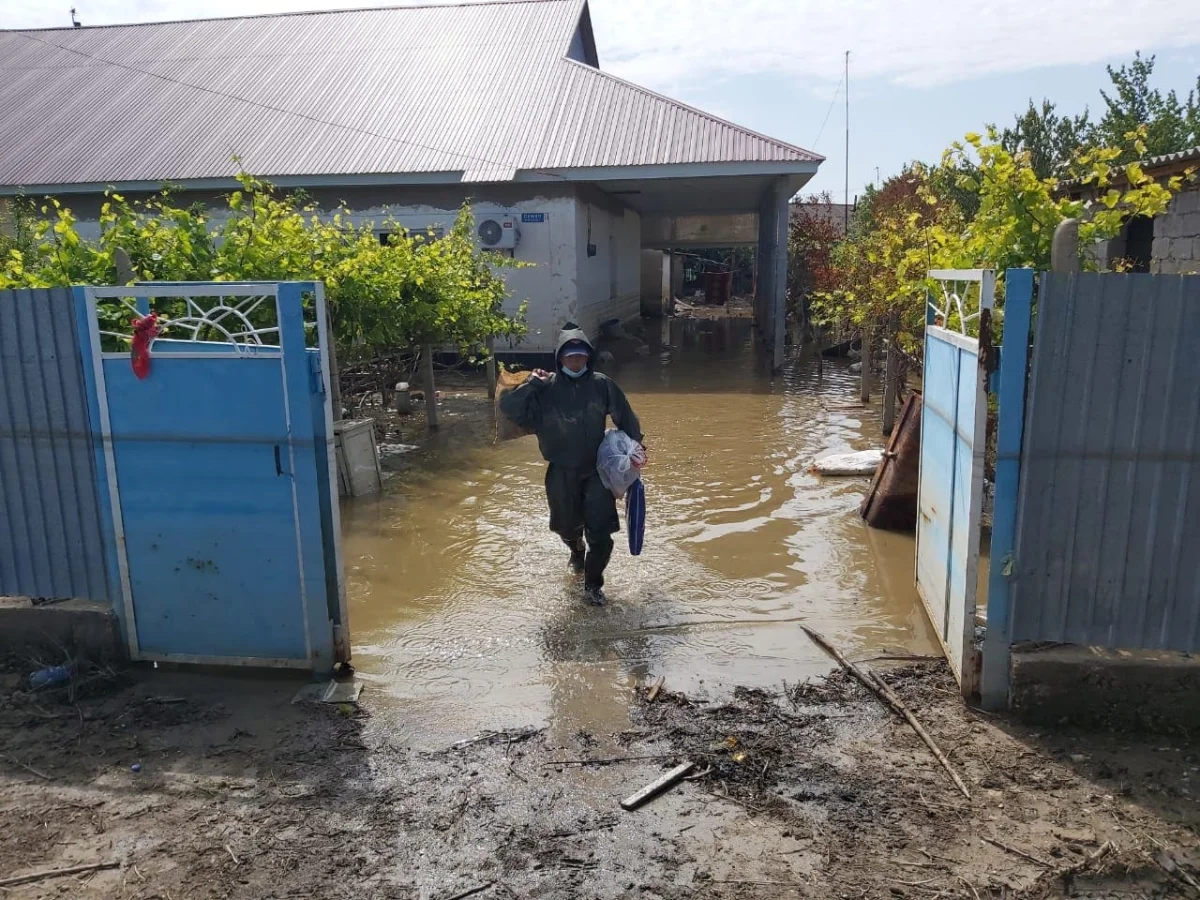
point(865, 462)
point(619, 461)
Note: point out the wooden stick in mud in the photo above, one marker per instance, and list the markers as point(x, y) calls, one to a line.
point(57, 873)
point(607, 760)
point(880, 689)
point(652, 790)
point(472, 891)
point(1016, 851)
point(658, 686)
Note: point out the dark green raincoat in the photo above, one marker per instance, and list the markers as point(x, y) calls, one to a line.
point(569, 417)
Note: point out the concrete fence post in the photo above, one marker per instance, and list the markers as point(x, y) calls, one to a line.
point(124, 266)
point(1064, 248)
point(431, 405)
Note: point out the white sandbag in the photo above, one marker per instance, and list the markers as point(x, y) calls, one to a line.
point(865, 462)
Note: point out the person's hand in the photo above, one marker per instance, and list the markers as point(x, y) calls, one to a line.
point(541, 374)
point(640, 457)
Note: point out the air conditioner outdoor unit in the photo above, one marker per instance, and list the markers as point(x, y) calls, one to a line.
point(498, 233)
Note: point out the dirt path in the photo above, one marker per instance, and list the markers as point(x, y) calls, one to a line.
point(813, 792)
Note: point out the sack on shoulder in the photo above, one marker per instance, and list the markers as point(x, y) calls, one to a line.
point(506, 428)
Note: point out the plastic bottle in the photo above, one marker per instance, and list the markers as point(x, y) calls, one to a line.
point(50, 676)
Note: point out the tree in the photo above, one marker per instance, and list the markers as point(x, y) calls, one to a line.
point(1049, 139)
point(895, 239)
point(1170, 125)
point(383, 297)
point(813, 234)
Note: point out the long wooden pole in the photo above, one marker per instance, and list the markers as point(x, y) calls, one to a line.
point(335, 380)
point(491, 366)
point(880, 689)
point(57, 873)
point(865, 377)
point(890, 375)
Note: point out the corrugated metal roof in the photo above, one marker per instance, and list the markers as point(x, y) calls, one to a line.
point(483, 89)
point(1150, 165)
point(1167, 159)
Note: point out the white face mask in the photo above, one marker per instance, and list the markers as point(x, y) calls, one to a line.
point(571, 374)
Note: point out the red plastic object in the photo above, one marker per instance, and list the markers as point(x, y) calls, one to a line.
point(145, 330)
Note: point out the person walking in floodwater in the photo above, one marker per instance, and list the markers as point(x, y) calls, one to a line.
point(568, 410)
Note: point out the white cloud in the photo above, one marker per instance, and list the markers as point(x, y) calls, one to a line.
point(672, 44)
point(908, 42)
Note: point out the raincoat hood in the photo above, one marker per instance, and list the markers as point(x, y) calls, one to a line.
point(572, 332)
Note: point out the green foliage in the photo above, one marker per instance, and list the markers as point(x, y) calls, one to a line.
point(1018, 210)
point(912, 226)
point(1170, 124)
point(1047, 137)
point(410, 291)
point(900, 232)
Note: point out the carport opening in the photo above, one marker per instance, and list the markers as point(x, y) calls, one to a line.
point(718, 277)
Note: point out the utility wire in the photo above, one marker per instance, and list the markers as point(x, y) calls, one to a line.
point(837, 92)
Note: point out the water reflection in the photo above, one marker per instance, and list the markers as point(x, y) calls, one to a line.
point(463, 611)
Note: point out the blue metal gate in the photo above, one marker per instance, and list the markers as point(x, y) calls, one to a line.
point(215, 472)
point(953, 445)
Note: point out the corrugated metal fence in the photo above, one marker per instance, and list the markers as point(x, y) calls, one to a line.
point(50, 535)
point(1107, 548)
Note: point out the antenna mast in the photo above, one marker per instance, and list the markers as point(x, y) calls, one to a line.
point(846, 197)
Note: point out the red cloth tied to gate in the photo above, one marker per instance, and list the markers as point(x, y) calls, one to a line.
point(145, 330)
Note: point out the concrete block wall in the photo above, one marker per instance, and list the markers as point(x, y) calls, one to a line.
point(1176, 247)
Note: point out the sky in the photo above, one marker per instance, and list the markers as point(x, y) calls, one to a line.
point(922, 72)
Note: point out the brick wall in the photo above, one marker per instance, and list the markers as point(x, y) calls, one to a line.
point(1176, 248)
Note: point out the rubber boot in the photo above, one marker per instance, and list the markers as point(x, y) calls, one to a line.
point(578, 558)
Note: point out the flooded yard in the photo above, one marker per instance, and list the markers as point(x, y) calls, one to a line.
point(465, 615)
point(501, 725)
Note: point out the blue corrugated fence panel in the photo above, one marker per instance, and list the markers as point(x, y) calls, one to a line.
point(51, 543)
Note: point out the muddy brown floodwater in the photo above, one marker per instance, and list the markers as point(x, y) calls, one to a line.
point(464, 615)
point(501, 728)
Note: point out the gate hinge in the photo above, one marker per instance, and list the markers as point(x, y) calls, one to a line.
point(314, 371)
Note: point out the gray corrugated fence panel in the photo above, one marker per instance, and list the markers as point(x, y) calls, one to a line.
point(1108, 532)
point(50, 536)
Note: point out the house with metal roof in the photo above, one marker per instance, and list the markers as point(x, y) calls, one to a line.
point(410, 111)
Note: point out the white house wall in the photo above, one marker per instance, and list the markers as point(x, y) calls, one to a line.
point(609, 283)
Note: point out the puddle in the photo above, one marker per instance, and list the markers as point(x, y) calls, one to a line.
point(464, 615)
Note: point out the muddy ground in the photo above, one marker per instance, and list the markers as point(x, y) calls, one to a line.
point(217, 786)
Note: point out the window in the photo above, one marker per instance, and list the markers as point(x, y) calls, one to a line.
point(432, 233)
